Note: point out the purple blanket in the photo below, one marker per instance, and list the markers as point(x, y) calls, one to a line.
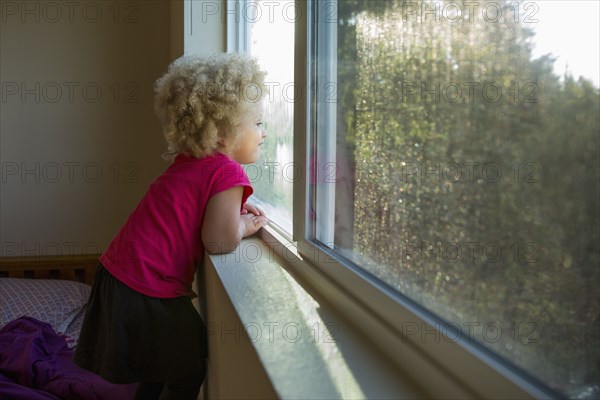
point(36, 363)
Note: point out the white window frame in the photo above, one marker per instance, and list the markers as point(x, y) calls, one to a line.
point(237, 26)
point(455, 368)
point(325, 78)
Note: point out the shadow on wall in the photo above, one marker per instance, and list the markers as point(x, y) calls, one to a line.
point(80, 142)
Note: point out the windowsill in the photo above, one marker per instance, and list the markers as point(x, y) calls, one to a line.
point(303, 344)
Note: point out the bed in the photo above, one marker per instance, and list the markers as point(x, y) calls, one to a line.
point(42, 305)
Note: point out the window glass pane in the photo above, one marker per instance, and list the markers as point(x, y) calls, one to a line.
point(467, 169)
point(271, 40)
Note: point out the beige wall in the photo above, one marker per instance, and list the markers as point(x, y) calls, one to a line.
point(79, 139)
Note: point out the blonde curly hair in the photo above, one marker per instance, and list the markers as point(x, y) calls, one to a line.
point(202, 100)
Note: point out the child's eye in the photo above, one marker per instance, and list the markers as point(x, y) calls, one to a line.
point(259, 124)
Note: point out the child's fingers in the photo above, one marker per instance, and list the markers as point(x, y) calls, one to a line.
point(253, 209)
point(259, 220)
point(253, 223)
point(259, 211)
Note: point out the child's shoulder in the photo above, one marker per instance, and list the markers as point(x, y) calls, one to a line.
point(216, 159)
point(188, 176)
point(201, 167)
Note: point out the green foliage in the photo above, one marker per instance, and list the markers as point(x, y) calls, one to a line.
point(407, 128)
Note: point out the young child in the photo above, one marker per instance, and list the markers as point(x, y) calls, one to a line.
point(140, 324)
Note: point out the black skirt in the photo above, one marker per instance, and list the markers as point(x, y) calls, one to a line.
point(129, 337)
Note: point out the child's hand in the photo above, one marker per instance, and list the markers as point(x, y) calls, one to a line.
point(252, 223)
point(224, 226)
point(251, 208)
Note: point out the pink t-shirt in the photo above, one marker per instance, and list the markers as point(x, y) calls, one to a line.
point(155, 252)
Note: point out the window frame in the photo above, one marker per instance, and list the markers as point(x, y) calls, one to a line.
point(457, 368)
point(238, 39)
point(236, 26)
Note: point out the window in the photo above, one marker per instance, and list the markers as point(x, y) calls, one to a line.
point(465, 166)
point(268, 34)
point(450, 151)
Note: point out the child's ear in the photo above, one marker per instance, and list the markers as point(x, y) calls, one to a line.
point(223, 143)
point(223, 128)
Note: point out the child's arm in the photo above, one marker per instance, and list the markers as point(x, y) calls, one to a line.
point(224, 226)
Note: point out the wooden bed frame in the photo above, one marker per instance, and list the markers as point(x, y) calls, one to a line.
point(80, 268)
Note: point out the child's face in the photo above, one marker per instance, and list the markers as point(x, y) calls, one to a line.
point(247, 148)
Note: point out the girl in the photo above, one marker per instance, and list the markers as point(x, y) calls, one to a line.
point(140, 324)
